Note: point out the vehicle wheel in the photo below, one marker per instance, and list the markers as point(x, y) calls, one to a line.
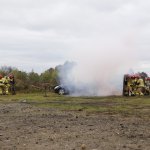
point(61, 92)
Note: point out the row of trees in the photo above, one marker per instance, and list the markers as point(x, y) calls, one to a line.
point(31, 81)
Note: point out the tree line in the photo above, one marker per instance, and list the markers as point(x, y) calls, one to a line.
point(32, 81)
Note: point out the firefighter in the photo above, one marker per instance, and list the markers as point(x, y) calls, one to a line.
point(147, 85)
point(133, 80)
point(130, 85)
point(140, 85)
point(2, 86)
point(6, 85)
point(125, 85)
point(12, 84)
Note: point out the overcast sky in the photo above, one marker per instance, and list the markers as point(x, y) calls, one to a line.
point(39, 34)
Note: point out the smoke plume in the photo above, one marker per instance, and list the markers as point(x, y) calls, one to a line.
point(98, 71)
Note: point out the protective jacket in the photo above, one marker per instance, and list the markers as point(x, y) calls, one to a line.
point(140, 82)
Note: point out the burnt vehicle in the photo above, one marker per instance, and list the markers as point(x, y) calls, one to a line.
point(72, 90)
point(61, 90)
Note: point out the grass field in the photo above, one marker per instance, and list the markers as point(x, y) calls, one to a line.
point(139, 106)
point(32, 121)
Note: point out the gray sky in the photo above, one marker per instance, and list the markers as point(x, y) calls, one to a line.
point(39, 34)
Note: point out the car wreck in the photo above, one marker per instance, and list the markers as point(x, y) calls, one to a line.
point(61, 90)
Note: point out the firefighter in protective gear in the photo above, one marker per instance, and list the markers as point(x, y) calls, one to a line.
point(2, 86)
point(125, 87)
point(6, 85)
point(140, 86)
point(147, 85)
point(133, 79)
point(130, 85)
point(12, 84)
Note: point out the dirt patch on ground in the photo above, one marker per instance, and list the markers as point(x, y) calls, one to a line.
point(26, 127)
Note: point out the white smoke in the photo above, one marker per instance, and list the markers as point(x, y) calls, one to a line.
point(105, 46)
point(98, 71)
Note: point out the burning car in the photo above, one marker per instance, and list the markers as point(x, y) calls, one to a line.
point(61, 90)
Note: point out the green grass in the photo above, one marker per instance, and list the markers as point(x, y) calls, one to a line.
point(139, 106)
